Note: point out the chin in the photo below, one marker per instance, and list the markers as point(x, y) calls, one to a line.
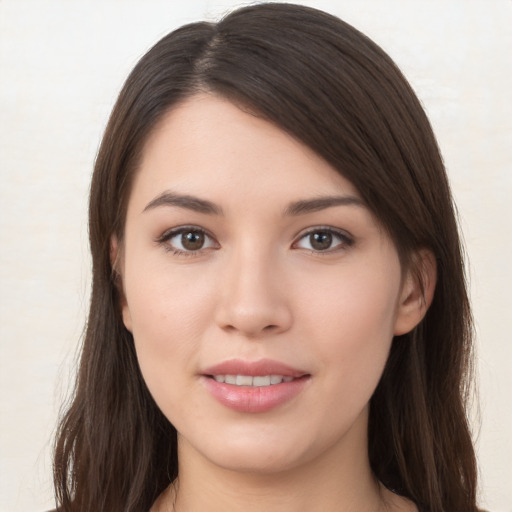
point(257, 453)
point(257, 462)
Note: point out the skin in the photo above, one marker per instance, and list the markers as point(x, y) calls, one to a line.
point(257, 289)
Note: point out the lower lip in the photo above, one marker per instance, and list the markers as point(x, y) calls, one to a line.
point(254, 399)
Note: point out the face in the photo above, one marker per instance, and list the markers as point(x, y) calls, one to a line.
point(261, 293)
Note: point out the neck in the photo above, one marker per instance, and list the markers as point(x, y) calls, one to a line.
point(339, 480)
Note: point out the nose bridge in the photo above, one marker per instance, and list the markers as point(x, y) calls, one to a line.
point(253, 303)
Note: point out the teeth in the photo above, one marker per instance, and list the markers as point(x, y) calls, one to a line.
point(247, 380)
point(243, 380)
point(262, 381)
point(275, 379)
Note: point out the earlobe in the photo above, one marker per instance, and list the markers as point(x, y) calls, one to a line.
point(127, 318)
point(115, 262)
point(417, 292)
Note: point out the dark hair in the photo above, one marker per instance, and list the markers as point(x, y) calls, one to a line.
point(332, 88)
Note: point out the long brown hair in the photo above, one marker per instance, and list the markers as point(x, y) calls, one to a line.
point(335, 90)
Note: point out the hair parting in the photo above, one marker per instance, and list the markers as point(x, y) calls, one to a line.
point(333, 89)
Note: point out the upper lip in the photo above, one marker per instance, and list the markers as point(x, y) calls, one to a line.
point(253, 368)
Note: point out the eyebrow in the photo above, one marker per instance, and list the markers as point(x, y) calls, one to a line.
point(321, 203)
point(300, 207)
point(184, 201)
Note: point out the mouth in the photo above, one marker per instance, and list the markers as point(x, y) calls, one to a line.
point(258, 381)
point(254, 387)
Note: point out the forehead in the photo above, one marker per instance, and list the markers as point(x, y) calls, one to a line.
point(208, 146)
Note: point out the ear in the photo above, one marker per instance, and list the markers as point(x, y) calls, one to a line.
point(116, 263)
point(417, 292)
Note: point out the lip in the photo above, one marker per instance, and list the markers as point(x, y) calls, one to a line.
point(254, 399)
point(253, 368)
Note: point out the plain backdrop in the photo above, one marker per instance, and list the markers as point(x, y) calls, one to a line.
point(62, 64)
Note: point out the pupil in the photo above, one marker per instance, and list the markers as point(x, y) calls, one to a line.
point(192, 240)
point(320, 241)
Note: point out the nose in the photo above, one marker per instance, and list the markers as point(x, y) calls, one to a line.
point(253, 301)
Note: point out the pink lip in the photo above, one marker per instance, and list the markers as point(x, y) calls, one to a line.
point(253, 368)
point(254, 399)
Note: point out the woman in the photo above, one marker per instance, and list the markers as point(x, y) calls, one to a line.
point(279, 319)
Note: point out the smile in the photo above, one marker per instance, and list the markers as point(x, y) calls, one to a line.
point(249, 380)
point(254, 386)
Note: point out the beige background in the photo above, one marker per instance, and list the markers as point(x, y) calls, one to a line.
point(61, 66)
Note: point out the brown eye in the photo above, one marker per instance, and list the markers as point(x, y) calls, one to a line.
point(187, 240)
point(192, 240)
point(320, 241)
point(324, 240)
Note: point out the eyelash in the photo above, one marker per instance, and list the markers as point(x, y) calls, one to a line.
point(170, 234)
point(346, 240)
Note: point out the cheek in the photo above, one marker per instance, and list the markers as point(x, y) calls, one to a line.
point(353, 324)
point(168, 318)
